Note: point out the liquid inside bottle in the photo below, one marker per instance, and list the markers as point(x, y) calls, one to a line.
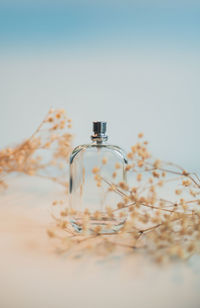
point(95, 169)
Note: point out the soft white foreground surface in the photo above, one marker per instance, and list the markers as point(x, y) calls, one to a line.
point(32, 275)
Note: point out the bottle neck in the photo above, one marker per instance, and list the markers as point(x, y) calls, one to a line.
point(99, 139)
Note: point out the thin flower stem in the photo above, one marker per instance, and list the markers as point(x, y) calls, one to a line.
point(39, 127)
point(115, 188)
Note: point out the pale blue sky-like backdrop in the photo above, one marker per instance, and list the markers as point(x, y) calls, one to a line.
point(135, 64)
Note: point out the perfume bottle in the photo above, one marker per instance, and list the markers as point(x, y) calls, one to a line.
point(95, 169)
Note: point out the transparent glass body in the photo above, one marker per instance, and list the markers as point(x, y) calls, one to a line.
point(94, 170)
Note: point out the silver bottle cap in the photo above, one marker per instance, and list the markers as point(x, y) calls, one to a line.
point(99, 131)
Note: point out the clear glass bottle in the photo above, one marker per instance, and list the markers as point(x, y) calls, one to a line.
point(95, 169)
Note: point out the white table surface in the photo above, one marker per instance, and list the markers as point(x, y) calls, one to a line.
point(32, 275)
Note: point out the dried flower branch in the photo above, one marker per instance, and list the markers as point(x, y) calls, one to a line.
point(152, 224)
point(48, 148)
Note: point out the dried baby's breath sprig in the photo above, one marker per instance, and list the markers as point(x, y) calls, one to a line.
point(47, 149)
point(166, 229)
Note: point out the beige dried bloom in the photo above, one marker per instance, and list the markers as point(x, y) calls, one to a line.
point(95, 170)
point(109, 211)
point(178, 191)
point(97, 177)
point(157, 163)
point(140, 135)
point(120, 205)
point(87, 212)
point(97, 215)
point(128, 167)
point(99, 184)
point(114, 174)
point(140, 163)
point(97, 229)
point(186, 183)
point(117, 165)
point(155, 174)
point(104, 161)
point(64, 213)
point(50, 233)
point(123, 185)
point(130, 155)
point(133, 149)
point(134, 189)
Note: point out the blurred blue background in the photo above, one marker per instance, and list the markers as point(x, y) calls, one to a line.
point(135, 64)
